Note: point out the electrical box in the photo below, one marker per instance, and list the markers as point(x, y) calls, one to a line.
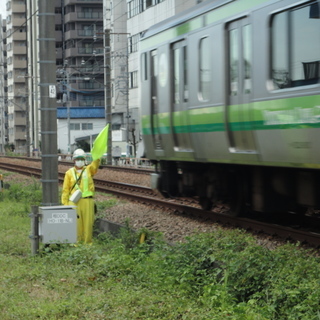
point(58, 224)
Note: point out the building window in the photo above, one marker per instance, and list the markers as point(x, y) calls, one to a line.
point(133, 43)
point(148, 3)
point(133, 80)
point(135, 7)
point(74, 126)
point(87, 126)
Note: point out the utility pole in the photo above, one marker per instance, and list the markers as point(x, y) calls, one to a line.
point(27, 115)
point(127, 101)
point(68, 111)
point(107, 78)
point(47, 54)
point(66, 100)
point(125, 77)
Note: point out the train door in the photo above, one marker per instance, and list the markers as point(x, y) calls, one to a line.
point(180, 96)
point(239, 114)
point(155, 128)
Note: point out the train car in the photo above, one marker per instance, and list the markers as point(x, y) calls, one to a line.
point(230, 104)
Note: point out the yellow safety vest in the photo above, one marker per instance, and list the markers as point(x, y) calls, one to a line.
point(85, 191)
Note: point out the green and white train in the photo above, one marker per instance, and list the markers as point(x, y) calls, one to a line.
point(230, 96)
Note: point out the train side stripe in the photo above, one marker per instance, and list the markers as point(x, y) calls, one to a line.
point(294, 113)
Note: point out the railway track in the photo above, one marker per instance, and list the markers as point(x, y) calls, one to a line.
point(128, 168)
point(148, 196)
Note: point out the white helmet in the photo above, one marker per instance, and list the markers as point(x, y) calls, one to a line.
point(79, 153)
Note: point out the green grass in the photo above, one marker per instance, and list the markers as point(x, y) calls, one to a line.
point(222, 275)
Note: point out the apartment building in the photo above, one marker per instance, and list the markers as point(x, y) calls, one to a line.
point(3, 87)
point(16, 72)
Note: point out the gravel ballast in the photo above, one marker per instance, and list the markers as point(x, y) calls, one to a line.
point(174, 226)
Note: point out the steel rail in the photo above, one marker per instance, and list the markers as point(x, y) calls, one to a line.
point(146, 195)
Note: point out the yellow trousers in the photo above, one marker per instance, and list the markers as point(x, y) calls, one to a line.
point(85, 212)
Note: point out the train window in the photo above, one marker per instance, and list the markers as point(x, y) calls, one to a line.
point(204, 68)
point(246, 39)
point(295, 57)
point(185, 75)
point(176, 76)
point(233, 61)
point(154, 100)
point(154, 73)
point(180, 74)
point(144, 65)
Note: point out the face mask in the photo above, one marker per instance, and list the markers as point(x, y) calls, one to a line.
point(79, 163)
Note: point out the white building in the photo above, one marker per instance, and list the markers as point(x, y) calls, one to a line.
point(125, 21)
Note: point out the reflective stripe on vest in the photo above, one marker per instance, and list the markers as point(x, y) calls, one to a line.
point(85, 191)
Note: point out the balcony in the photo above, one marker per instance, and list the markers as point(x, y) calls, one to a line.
point(68, 2)
point(20, 50)
point(94, 69)
point(20, 135)
point(71, 16)
point(20, 121)
point(58, 36)
point(18, 22)
point(84, 16)
point(90, 51)
point(88, 86)
point(19, 79)
point(91, 103)
point(71, 52)
point(17, 36)
point(90, 15)
point(58, 53)
point(71, 34)
point(57, 18)
point(80, 34)
point(74, 52)
point(18, 8)
point(19, 64)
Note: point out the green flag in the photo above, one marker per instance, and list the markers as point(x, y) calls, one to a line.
point(100, 145)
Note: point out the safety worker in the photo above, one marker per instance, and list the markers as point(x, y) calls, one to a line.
point(80, 179)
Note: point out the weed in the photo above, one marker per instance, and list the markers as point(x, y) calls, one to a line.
point(137, 275)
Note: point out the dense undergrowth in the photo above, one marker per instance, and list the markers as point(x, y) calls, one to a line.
point(221, 275)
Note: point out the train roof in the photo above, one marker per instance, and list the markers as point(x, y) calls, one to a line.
point(185, 15)
point(194, 12)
